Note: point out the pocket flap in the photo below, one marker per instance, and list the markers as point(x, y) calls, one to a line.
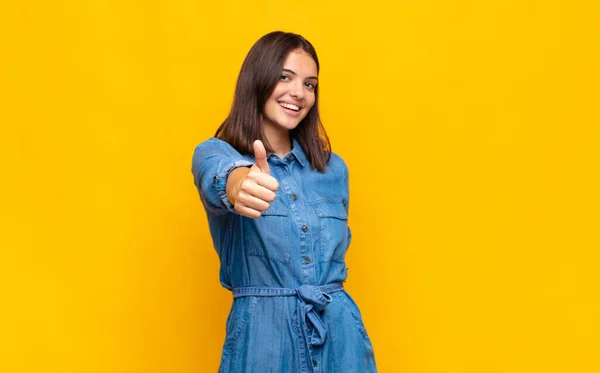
point(331, 210)
point(276, 209)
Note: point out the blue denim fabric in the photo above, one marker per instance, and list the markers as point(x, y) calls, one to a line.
point(290, 313)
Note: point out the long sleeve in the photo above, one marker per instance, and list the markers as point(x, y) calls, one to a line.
point(212, 163)
point(346, 202)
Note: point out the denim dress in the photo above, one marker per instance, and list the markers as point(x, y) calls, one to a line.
point(290, 312)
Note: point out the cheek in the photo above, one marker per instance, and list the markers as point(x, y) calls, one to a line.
point(271, 107)
point(310, 102)
point(278, 91)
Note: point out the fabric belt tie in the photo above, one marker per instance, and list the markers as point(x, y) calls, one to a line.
point(311, 300)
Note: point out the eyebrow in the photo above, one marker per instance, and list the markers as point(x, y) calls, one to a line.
point(293, 72)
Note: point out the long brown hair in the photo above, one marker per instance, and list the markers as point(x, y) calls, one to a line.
point(259, 74)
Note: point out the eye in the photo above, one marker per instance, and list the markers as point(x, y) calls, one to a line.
point(284, 78)
point(310, 85)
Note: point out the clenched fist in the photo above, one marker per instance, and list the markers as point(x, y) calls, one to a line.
point(251, 191)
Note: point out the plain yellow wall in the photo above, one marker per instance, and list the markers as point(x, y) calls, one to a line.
point(472, 133)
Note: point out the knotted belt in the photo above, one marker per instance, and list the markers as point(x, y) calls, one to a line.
point(311, 300)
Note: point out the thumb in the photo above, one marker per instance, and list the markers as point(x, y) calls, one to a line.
point(261, 157)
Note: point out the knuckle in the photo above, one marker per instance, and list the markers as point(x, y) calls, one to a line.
point(246, 185)
point(239, 198)
point(274, 182)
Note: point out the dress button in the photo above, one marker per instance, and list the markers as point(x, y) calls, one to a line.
point(307, 260)
point(304, 228)
point(288, 157)
point(314, 363)
point(294, 197)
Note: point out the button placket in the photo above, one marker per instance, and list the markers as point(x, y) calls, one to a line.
point(298, 209)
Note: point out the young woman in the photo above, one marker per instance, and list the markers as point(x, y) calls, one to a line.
point(276, 199)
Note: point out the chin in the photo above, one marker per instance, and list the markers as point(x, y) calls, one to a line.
point(289, 125)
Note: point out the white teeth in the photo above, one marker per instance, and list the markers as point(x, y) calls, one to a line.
point(289, 106)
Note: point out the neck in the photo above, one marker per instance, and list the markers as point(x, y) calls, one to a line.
point(279, 140)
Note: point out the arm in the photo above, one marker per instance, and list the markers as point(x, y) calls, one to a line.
point(346, 201)
point(213, 162)
point(229, 183)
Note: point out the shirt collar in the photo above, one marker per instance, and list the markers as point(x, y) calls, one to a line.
point(298, 152)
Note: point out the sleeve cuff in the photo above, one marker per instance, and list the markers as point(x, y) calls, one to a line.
point(220, 181)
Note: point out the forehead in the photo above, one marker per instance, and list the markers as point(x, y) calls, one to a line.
point(302, 63)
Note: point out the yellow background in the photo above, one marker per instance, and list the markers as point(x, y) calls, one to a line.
point(472, 133)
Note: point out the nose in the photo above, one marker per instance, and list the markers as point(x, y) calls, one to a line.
point(297, 90)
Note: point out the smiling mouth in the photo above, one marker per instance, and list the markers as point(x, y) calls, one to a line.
point(289, 106)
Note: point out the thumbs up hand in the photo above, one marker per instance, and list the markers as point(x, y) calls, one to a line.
point(252, 190)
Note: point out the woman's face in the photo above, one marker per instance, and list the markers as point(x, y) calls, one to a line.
point(294, 93)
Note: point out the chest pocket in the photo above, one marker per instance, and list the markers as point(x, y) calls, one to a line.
point(269, 235)
point(333, 220)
